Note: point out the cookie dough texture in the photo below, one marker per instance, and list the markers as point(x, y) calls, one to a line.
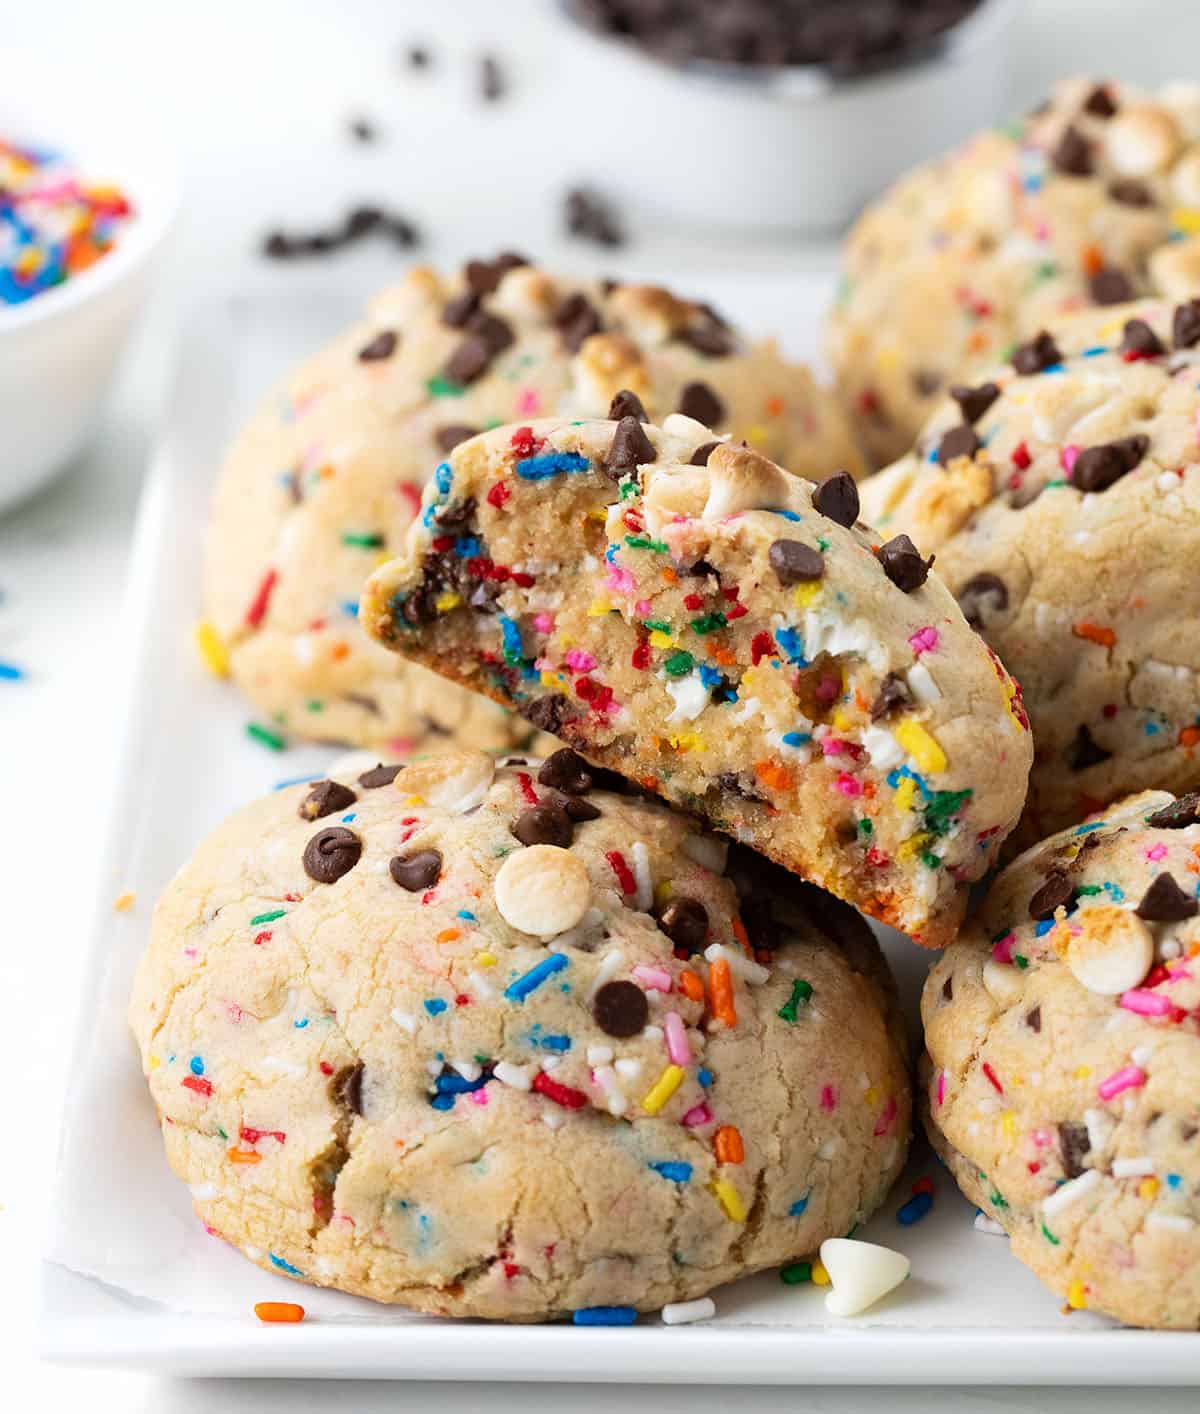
point(682, 611)
point(379, 1084)
point(322, 483)
point(1091, 200)
point(1066, 519)
point(1063, 1084)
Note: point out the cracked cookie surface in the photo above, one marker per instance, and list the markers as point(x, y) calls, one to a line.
point(1063, 503)
point(727, 634)
point(1091, 200)
point(497, 1041)
point(322, 483)
point(1062, 1084)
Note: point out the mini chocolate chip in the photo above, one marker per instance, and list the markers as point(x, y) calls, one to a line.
point(837, 498)
point(418, 871)
point(459, 309)
point(491, 79)
point(904, 564)
point(346, 1088)
point(577, 319)
point(1185, 325)
point(1056, 892)
point(567, 771)
point(893, 693)
point(698, 401)
point(547, 713)
point(685, 922)
point(925, 382)
point(1128, 191)
point(484, 276)
point(1100, 103)
point(494, 332)
point(626, 404)
point(1139, 338)
point(592, 218)
point(948, 988)
point(382, 346)
point(1178, 815)
point(324, 798)
point(702, 453)
point(1165, 902)
point(379, 775)
point(1110, 286)
point(1040, 353)
point(455, 514)
point(794, 562)
point(983, 595)
point(450, 436)
point(959, 441)
point(621, 1009)
point(577, 808)
point(545, 824)
point(1074, 1144)
point(711, 339)
point(974, 402)
point(1073, 154)
point(1033, 1019)
point(331, 853)
point(1085, 751)
point(1097, 468)
point(470, 359)
point(630, 447)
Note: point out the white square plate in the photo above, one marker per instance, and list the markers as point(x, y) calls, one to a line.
point(131, 1277)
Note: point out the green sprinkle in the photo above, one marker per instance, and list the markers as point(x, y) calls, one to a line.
point(628, 488)
point(866, 828)
point(1049, 1236)
point(997, 1199)
point(267, 917)
point(942, 807)
point(439, 387)
point(265, 736)
point(221, 1132)
point(1021, 961)
point(1088, 889)
point(1058, 481)
point(657, 625)
point(801, 991)
point(363, 540)
point(795, 1273)
point(852, 1229)
point(930, 860)
point(709, 623)
point(679, 664)
point(822, 544)
point(314, 704)
point(643, 542)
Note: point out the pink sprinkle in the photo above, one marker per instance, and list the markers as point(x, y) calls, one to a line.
point(697, 1115)
point(828, 1098)
point(652, 979)
point(925, 640)
point(479, 1097)
point(847, 784)
point(1003, 950)
point(1146, 1003)
point(677, 1042)
point(886, 1119)
point(1067, 458)
point(941, 1087)
point(544, 623)
point(1043, 1137)
point(580, 660)
point(644, 607)
point(1129, 1077)
point(621, 580)
point(1156, 852)
point(1197, 426)
point(528, 402)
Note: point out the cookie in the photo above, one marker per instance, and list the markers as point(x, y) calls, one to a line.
point(1063, 1084)
point(1091, 200)
point(497, 1041)
point(686, 612)
point(1064, 506)
point(321, 485)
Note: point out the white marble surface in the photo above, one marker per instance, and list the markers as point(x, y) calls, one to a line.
point(254, 96)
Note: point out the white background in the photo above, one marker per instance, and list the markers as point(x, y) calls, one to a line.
point(254, 95)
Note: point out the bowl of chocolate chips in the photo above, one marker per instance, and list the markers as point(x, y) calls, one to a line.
point(780, 115)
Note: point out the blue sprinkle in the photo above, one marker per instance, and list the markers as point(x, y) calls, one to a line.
point(517, 991)
point(1115, 892)
point(1087, 829)
point(468, 547)
point(676, 1172)
point(284, 1266)
point(443, 1101)
point(1054, 368)
point(556, 1043)
point(435, 1006)
point(704, 1076)
point(1043, 927)
point(605, 1316)
point(610, 554)
point(1095, 351)
point(1174, 1180)
point(793, 645)
point(796, 738)
point(429, 515)
point(468, 915)
point(300, 1025)
point(710, 677)
point(798, 1207)
point(294, 781)
point(352, 816)
point(788, 515)
point(552, 464)
point(454, 1084)
point(895, 777)
point(512, 638)
point(915, 1209)
point(443, 476)
point(9, 672)
point(196, 1065)
point(350, 608)
point(1152, 728)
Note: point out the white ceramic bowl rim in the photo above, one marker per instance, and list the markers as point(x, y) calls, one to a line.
point(816, 80)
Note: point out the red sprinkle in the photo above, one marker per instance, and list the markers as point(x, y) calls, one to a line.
point(523, 442)
point(736, 611)
point(991, 1075)
point(442, 543)
point(258, 605)
point(252, 1136)
point(197, 1083)
point(526, 781)
point(498, 494)
point(924, 1185)
point(325, 1068)
point(693, 601)
point(760, 646)
point(1021, 456)
point(559, 1093)
point(624, 877)
point(641, 654)
point(263, 937)
point(524, 580)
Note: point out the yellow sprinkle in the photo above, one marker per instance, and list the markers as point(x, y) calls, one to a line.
point(1077, 1296)
point(153, 1063)
point(662, 1089)
point(820, 1277)
point(553, 679)
point(486, 959)
point(905, 791)
point(599, 607)
point(689, 741)
point(888, 359)
point(659, 639)
point(842, 722)
point(663, 892)
point(124, 902)
point(757, 434)
point(1008, 1122)
point(872, 1096)
point(449, 599)
point(914, 845)
point(1082, 1072)
point(1186, 218)
point(212, 649)
point(414, 800)
point(597, 513)
point(804, 594)
point(922, 747)
point(730, 1199)
point(1147, 1188)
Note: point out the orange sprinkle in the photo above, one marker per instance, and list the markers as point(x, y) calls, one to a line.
point(1092, 259)
point(724, 656)
point(448, 935)
point(670, 576)
point(728, 1146)
point(691, 986)
point(340, 650)
point(279, 1313)
point(1096, 633)
point(773, 776)
point(720, 991)
point(773, 406)
point(1189, 736)
point(244, 1156)
point(978, 341)
point(739, 932)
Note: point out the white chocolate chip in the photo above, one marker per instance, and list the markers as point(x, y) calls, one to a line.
point(1112, 951)
point(1003, 981)
point(862, 1273)
point(882, 748)
point(1142, 139)
point(453, 780)
point(543, 890)
point(743, 480)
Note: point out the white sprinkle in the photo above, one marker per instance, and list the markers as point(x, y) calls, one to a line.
point(689, 695)
point(552, 1062)
point(520, 1077)
point(204, 1192)
point(652, 1033)
point(615, 1099)
point(434, 1067)
point(599, 1055)
point(254, 1253)
point(1141, 1167)
point(469, 1070)
point(829, 1149)
point(274, 1063)
point(706, 850)
point(304, 650)
point(1170, 948)
point(922, 685)
point(1168, 481)
point(479, 985)
point(686, 1313)
point(1170, 1222)
point(643, 899)
point(1100, 1125)
point(1141, 1056)
point(405, 1020)
point(1070, 1193)
point(324, 1267)
point(989, 1225)
point(610, 964)
point(552, 1117)
point(739, 964)
point(882, 748)
point(628, 1069)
